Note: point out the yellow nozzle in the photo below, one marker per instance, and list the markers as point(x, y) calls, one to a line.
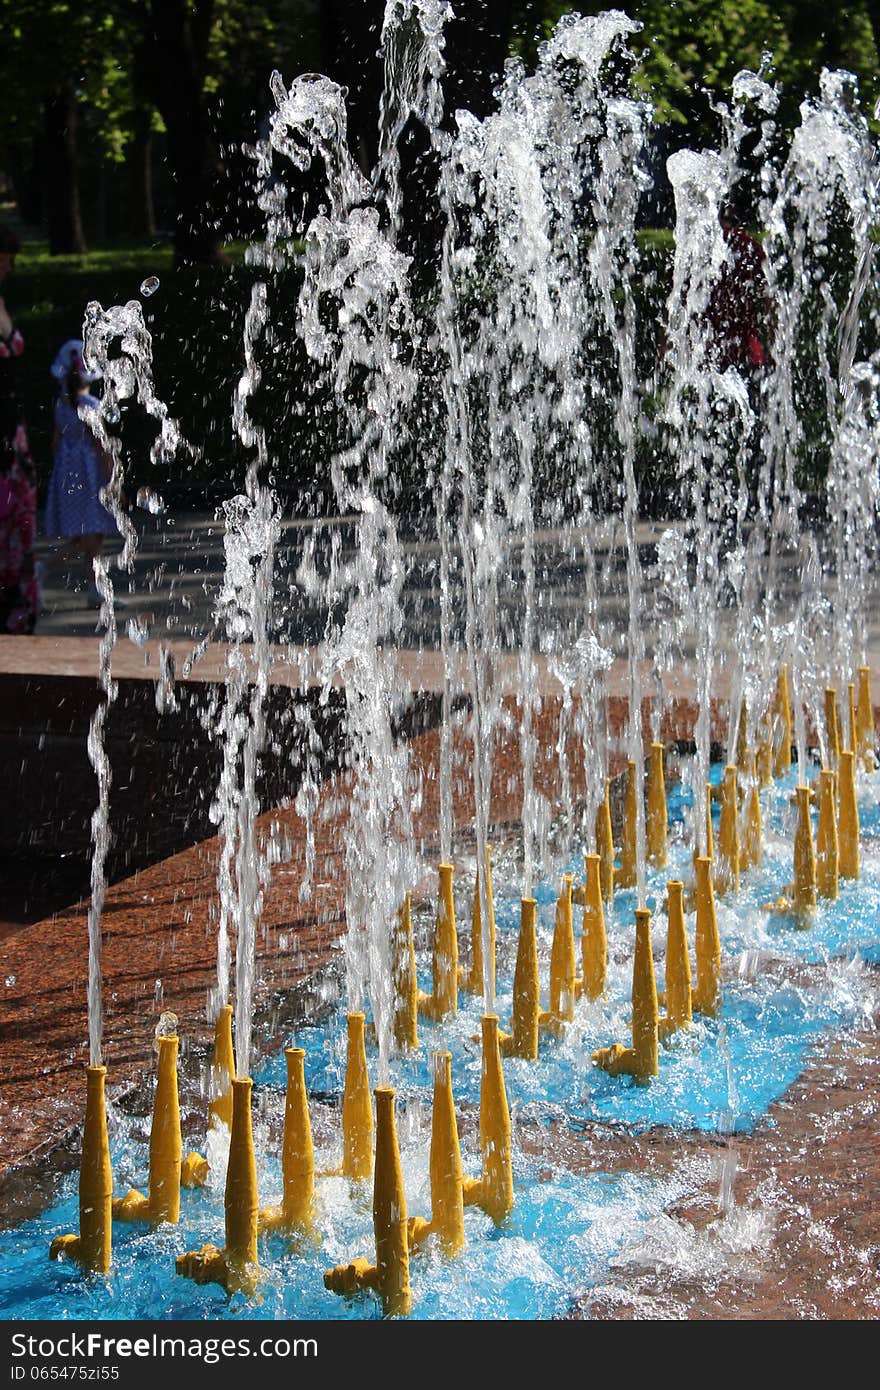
point(167, 1174)
point(594, 943)
point(447, 1200)
point(678, 966)
point(493, 1190)
point(605, 845)
point(522, 1041)
point(444, 999)
point(235, 1267)
point(222, 1070)
point(656, 818)
point(640, 1060)
point(710, 839)
point(852, 742)
point(474, 983)
point(389, 1276)
point(804, 886)
point(743, 756)
point(296, 1212)
point(751, 849)
point(764, 757)
point(357, 1106)
point(706, 997)
point(168, 1168)
point(865, 730)
point(848, 818)
point(241, 1203)
point(782, 710)
point(827, 849)
point(563, 982)
point(626, 874)
point(832, 726)
point(727, 858)
point(92, 1248)
point(406, 987)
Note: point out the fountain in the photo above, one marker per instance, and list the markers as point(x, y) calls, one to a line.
point(578, 717)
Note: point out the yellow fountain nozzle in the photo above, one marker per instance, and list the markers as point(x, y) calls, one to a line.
point(656, 814)
point(406, 986)
point(644, 998)
point(594, 942)
point(168, 1169)
point(764, 758)
point(865, 729)
point(626, 875)
point(296, 1213)
point(166, 1147)
point(605, 844)
point(240, 1201)
point(563, 967)
point(474, 981)
point(235, 1267)
point(727, 859)
point(522, 1041)
point(389, 1212)
point(678, 966)
point(92, 1248)
point(742, 739)
point(782, 710)
point(827, 844)
point(804, 887)
point(710, 840)
point(357, 1106)
point(641, 1059)
point(447, 1199)
point(389, 1276)
point(222, 1070)
point(848, 818)
point(832, 725)
point(706, 996)
point(493, 1190)
point(443, 1001)
point(751, 849)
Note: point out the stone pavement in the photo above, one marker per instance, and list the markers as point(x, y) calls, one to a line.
point(178, 568)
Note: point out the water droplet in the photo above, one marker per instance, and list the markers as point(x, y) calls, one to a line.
point(150, 501)
point(149, 286)
point(167, 1025)
point(138, 631)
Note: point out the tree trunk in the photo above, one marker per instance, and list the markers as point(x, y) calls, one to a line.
point(177, 37)
point(141, 209)
point(477, 45)
point(60, 171)
point(350, 34)
point(27, 184)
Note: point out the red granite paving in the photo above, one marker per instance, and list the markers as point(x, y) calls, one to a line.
point(801, 1238)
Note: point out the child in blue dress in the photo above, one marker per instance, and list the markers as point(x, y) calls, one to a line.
point(74, 510)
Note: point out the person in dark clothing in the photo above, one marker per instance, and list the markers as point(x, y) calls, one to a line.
point(739, 309)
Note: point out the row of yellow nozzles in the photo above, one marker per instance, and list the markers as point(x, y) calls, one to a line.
point(235, 1266)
